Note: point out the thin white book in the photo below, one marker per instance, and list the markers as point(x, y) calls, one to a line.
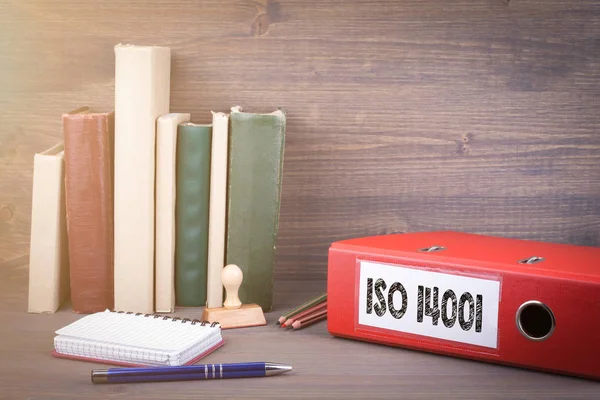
point(166, 168)
point(48, 255)
point(135, 339)
point(217, 209)
point(142, 94)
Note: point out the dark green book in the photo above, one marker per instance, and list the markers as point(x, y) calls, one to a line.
point(256, 149)
point(192, 212)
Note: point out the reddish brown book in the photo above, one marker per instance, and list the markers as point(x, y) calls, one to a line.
point(89, 139)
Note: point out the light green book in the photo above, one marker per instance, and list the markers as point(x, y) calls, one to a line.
point(192, 213)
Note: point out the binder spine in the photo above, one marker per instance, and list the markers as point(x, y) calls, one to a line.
point(167, 317)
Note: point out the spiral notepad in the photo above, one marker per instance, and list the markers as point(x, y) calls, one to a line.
point(130, 339)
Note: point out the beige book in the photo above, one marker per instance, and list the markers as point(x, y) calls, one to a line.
point(142, 88)
point(48, 255)
point(217, 209)
point(166, 168)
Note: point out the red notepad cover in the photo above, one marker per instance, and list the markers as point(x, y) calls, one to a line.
point(125, 364)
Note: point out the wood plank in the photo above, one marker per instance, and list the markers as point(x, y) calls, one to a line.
point(476, 116)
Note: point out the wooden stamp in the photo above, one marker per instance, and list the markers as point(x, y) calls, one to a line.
point(234, 314)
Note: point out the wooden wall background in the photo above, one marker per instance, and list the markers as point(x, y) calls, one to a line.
point(403, 115)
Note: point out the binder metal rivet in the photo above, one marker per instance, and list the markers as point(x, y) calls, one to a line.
point(531, 260)
point(432, 249)
point(535, 320)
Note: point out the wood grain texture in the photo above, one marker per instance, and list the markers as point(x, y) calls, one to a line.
point(324, 367)
point(478, 116)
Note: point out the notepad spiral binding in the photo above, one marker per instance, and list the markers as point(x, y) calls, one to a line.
point(166, 317)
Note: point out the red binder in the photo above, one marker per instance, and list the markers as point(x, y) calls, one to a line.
point(517, 302)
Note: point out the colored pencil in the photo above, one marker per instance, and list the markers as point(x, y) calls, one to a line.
point(316, 300)
point(314, 318)
point(309, 311)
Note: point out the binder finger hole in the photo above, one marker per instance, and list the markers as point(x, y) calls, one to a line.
point(535, 320)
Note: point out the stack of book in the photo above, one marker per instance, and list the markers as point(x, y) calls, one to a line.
point(139, 208)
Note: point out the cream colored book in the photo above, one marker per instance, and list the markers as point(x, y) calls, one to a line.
point(166, 168)
point(217, 209)
point(142, 88)
point(48, 255)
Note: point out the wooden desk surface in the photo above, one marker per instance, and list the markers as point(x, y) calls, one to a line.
point(324, 367)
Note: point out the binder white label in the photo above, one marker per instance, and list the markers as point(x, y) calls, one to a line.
point(434, 304)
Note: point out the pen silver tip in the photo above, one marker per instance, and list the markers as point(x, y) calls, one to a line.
point(99, 376)
point(276, 369)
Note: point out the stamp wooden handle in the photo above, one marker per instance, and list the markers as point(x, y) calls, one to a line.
point(232, 277)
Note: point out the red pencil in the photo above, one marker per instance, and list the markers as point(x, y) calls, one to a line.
point(301, 323)
point(313, 309)
point(316, 300)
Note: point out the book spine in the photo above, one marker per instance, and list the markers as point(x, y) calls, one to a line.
point(256, 149)
point(89, 203)
point(142, 83)
point(192, 213)
point(48, 255)
point(166, 167)
point(218, 206)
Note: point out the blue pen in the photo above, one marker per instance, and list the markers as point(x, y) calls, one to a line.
point(188, 372)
